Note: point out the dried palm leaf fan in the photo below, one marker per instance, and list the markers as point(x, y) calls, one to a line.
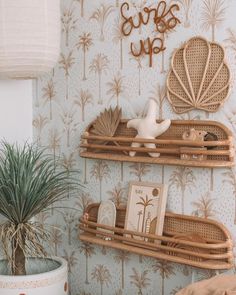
point(107, 123)
point(199, 77)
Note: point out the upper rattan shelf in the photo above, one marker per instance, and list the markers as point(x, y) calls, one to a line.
point(172, 148)
point(211, 250)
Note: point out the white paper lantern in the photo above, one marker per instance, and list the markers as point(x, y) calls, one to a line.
point(29, 37)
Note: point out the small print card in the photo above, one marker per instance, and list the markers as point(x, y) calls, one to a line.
point(146, 208)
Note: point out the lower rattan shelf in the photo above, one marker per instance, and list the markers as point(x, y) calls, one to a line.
point(214, 253)
point(172, 148)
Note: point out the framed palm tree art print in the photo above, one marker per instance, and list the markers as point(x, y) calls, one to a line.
point(146, 208)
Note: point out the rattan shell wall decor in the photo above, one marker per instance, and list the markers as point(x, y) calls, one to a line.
point(199, 77)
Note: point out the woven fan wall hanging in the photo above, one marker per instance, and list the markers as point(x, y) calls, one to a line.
point(199, 77)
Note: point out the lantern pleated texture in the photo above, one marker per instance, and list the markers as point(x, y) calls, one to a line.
point(29, 37)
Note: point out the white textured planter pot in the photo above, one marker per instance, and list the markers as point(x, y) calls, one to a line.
point(52, 282)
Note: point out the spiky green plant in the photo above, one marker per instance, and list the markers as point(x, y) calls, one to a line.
point(30, 182)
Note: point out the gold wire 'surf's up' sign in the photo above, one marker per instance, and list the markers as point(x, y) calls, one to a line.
point(163, 19)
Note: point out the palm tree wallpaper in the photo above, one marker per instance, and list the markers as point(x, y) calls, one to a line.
point(95, 70)
point(166, 270)
point(84, 43)
point(49, 94)
point(213, 14)
point(99, 65)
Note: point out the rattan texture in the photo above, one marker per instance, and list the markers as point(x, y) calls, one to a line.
point(199, 77)
point(175, 132)
point(186, 239)
point(205, 230)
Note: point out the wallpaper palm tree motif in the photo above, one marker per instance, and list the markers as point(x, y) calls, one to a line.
point(100, 171)
point(66, 62)
point(138, 6)
point(49, 94)
point(99, 65)
point(54, 141)
point(138, 60)
point(139, 170)
point(56, 238)
point(95, 70)
point(116, 88)
point(117, 195)
point(70, 219)
point(102, 275)
point(118, 38)
point(88, 250)
point(182, 178)
point(166, 270)
point(231, 41)
point(68, 21)
point(159, 95)
point(84, 43)
point(213, 14)
point(205, 206)
point(140, 280)
point(39, 122)
point(122, 257)
point(186, 6)
point(100, 15)
point(83, 99)
point(83, 200)
point(67, 117)
point(82, 3)
point(71, 259)
point(230, 178)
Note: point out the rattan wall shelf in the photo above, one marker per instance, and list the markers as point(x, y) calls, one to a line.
point(170, 145)
point(215, 253)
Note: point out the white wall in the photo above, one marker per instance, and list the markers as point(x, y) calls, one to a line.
point(16, 110)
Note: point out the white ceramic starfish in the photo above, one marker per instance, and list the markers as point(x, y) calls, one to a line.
point(148, 128)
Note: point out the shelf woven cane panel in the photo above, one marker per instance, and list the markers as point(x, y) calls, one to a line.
point(205, 230)
point(199, 77)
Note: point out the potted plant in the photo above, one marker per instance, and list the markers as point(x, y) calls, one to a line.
point(30, 182)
